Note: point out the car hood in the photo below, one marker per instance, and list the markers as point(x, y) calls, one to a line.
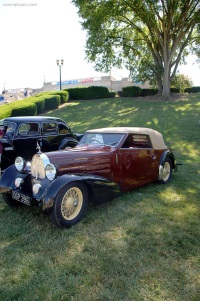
point(81, 159)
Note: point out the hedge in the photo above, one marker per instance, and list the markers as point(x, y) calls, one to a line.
point(31, 106)
point(175, 90)
point(192, 90)
point(5, 111)
point(64, 95)
point(111, 94)
point(149, 92)
point(93, 92)
point(40, 103)
point(23, 108)
point(132, 91)
point(51, 102)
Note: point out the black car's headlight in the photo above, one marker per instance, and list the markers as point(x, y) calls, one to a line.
point(20, 164)
point(50, 172)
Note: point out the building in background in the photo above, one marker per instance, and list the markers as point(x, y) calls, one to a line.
point(106, 81)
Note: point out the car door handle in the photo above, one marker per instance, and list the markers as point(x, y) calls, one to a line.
point(151, 154)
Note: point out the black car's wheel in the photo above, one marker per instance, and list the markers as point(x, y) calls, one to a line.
point(70, 205)
point(165, 173)
point(10, 201)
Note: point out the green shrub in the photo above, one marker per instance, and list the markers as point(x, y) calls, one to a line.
point(111, 94)
point(175, 90)
point(39, 102)
point(23, 108)
point(149, 92)
point(132, 91)
point(5, 111)
point(75, 93)
point(64, 95)
point(120, 93)
point(93, 92)
point(192, 90)
point(51, 102)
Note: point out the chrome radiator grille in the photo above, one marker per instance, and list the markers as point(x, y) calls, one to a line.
point(38, 165)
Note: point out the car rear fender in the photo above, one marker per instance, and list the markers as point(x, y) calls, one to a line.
point(99, 189)
point(168, 154)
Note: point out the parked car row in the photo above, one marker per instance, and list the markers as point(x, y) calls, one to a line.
point(69, 170)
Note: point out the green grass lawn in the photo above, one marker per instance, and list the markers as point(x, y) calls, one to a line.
point(142, 246)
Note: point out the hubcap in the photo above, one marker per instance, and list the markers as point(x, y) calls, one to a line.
point(72, 203)
point(166, 171)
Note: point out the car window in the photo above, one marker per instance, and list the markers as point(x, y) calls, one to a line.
point(137, 141)
point(63, 129)
point(30, 129)
point(49, 128)
point(23, 129)
point(33, 129)
point(102, 138)
point(10, 126)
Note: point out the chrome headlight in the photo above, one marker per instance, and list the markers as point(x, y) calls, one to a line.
point(50, 172)
point(20, 163)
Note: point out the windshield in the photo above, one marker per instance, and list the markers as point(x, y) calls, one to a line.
point(9, 126)
point(112, 139)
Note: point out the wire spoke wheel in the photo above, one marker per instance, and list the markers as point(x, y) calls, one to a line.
point(72, 203)
point(166, 171)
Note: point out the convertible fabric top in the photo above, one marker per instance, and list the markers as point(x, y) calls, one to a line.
point(156, 137)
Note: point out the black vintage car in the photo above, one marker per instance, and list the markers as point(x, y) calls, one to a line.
point(24, 135)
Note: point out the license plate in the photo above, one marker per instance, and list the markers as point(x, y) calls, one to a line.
point(22, 198)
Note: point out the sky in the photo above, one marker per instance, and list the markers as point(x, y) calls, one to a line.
point(35, 33)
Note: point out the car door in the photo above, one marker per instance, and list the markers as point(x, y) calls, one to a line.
point(49, 136)
point(53, 135)
point(25, 141)
point(138, 162)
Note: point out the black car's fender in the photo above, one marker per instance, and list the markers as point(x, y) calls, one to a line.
point(168, 154)
point(8, 178)
point(68, 142)
point(99, 188)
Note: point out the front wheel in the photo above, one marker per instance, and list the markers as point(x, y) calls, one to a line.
point(70, 205)
point(165, 172)
point(10, 201)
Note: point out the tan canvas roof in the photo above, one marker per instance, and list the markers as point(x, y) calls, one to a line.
point(155, 136)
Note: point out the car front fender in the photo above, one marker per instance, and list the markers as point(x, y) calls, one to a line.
point(99, 189)
point(7, 182)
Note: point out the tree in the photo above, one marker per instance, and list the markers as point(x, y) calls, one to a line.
point(148, 37)
point(181, 81)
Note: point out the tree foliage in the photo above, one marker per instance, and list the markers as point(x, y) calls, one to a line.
point(181, 81)
point(148, 37)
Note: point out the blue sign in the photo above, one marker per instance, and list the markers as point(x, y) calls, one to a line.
point(68, 82)
point(1, 98)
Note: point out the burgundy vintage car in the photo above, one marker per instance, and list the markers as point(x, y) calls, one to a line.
point(105, 163)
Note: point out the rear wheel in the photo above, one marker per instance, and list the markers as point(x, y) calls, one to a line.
point(10, 201)
point(165, 172)
point(70, 205)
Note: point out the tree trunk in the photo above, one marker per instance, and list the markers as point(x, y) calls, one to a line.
point(166, 82)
